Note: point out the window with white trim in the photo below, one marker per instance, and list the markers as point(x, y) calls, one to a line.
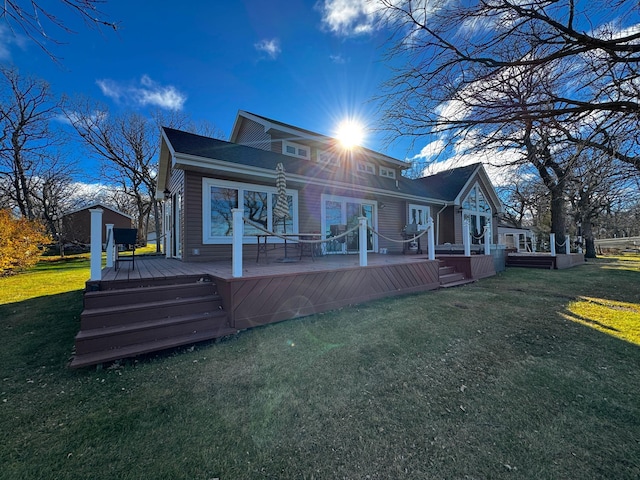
point(327, 158)
point(219, 197)
point(477, 211)
point(296, 150)
point(367, 167)
point(387, 172)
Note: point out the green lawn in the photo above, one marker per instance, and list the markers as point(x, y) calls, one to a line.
point(532, 374)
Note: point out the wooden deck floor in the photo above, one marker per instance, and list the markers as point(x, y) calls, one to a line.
point(158, 267)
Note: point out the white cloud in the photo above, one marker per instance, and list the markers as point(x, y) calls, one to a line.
point(349, 17)
point(270, 47)
point(146, 92)
point(339, 59)
point(430, 151)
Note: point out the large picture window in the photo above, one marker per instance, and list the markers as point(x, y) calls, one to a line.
point(477, 211)
point(220, 197)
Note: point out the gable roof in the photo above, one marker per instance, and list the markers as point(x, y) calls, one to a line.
point(188, 150)
point(181, 149)
point(301, 133)
point(96, 205)
point(448, 184)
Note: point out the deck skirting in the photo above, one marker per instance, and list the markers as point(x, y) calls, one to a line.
point(255, 301)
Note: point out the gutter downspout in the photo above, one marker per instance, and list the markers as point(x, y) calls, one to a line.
point(438, 222)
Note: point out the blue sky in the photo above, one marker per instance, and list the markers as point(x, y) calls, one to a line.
point(309, 63)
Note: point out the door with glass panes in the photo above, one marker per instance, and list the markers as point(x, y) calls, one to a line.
point(339, 215)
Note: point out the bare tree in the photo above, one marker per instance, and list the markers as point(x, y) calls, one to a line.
point(127, 146)
point(26, 139)
point(594, 187)
point(35, 18)
point(460, 52)
point(522, 198)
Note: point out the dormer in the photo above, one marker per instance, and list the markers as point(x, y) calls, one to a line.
point(268, 134)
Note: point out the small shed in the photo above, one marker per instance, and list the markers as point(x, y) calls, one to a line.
point(516, 239)
point(76, 225)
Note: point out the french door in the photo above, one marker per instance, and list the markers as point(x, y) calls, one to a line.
point(342, 213)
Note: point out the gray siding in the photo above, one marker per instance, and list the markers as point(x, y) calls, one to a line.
point(252, 134)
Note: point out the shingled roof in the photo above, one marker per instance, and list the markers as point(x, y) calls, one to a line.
point(441, 187)
point(446, 185)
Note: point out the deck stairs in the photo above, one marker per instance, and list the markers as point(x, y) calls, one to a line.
point(129, 319)
point(450, 277)
point(531, 261)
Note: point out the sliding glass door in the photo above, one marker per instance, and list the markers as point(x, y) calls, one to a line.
point(340, 214)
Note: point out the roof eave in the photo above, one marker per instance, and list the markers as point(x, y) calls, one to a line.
point(186, 161)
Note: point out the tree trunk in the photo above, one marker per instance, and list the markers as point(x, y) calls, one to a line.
point(558, 215)
point(589, 241)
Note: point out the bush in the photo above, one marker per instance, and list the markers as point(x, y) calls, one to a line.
point(21, 242)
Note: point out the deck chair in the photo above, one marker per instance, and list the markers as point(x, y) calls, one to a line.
point(126, 237)
point(338, 230)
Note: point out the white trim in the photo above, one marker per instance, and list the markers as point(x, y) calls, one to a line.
point(329, 158)
point(307, 135)
point(366, 167)
point(185, 160)
point(387, 172)
point(207, 183)
point(324, 198)
point(425, 210)
point(297, 148)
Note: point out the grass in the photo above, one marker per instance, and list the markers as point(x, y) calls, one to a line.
point(522, 375)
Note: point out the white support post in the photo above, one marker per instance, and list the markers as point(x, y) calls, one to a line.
point(238, 233)
point(431, 244)
point(110, 245)
point(96, 244)
point(362, 240)
point(487, 239)
point(552, 241)
point(567, 244)
point(466, 238)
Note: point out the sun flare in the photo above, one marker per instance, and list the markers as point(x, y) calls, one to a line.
point(350, 133)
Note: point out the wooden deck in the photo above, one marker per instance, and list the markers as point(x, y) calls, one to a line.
point(154, 267)
point(160, 303)
point(544, 260)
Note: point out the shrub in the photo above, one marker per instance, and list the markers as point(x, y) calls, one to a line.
point(21, 242)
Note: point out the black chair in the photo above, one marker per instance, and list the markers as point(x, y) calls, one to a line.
point(126, 237)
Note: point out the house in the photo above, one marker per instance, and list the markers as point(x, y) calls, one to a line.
point(196, 293)
point(203, 178)
point(76, 225)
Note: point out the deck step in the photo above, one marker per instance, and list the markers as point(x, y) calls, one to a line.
point(119, 336)
point(124, 314)
point(130, 351)
point(446, 270)
point(130, 320)
point(155, 293)
point(464, 281)
point(530, 261)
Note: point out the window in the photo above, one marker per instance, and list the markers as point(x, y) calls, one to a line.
point(327, 158)
point(477, 211)
point(295, 150)
point(220, 197)
point(367, 167)
point(418, 215)
point(387, 172)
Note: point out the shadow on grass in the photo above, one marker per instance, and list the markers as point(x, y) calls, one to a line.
point(40, 331)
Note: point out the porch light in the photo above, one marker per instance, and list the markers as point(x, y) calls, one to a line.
point(166, 194)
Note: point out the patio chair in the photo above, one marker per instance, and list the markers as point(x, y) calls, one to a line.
point(126, 237)
point(335, 231)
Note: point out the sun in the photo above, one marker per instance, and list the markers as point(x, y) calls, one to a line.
point(350, 133)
